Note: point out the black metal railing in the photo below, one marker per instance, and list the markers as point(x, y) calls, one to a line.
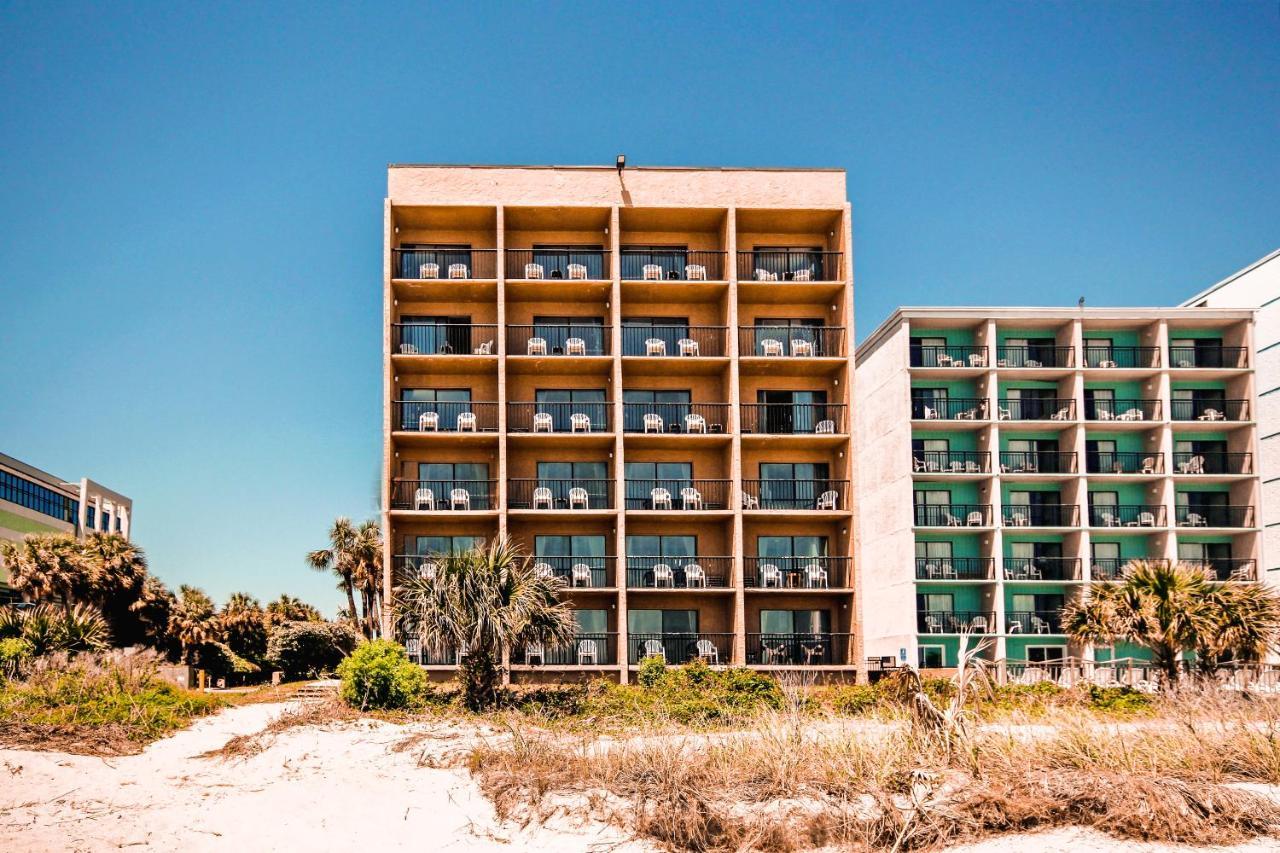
point(1041, 515)
point(444, 416)
point(578, 571)
point(560, 417)
point(1212, 462)
point(817, 649)
point(796, 572)
point(798, 341)
point(583, 650)
point(672, 265)
point(1038, 461)
point(1209, 410)
point(1121, 357)
point(953, 515)
point(1033, 622)
point(1124, 462)
point(1038, 409)
point(680, 648)
point(949, 356)
point(1107, 568)
point(789, 265)
point(793, 418)
point(955, 621)
point(1214, 516)
point(444, 338)
point(567, 494)
point(674, 341)
point(1229, 569)
point(949, 409)
point(573, 264)
point(445, 263)
point(1035, 356)
point(1203, 356)
point(693, 572)
point(951, 461)
point(675, 417)
point(955, 568)
point(444, 495)
point(795, 494)
point(424, 655)
point(1122, 410)
point(413, 565)
point(1041, 569)
point(675, 493)
point(558, 339)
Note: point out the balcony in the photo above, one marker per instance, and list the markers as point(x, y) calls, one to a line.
point(796, 573)
point(578, 572)
point(949, 356)
point(1208, 357)
point(672, 265)
point(569, 418)
point(829, 495)
point(955, 568)
point(679, 572)
point(1037, 462)
point(955, 621)
point(443, 338)
point(1041, 409)
point(679, 341)
point(793, 418)
point(951, 462)
point(1108, 568)
point(1033, 622)
point(818, 649)
point(1041, 569)
point(953, 515)
point(792, 341)
point(584, 650)
point(678, 495)
point(427, 264)
point(1214, 516)
point(1124, 462)
point(423, 655)
point(949, 409)
point(795, 265)
point(1209, 410)
point(675, 418)
point(1213, 463)
point(1121, 358)
point(1033, 357)
point(574, 494)
point(1231, 569)
point(1041, 515)
point(444, 495)
point(573, 265)
point(1123, 410)
point(558, 339)
point(715, 649)
point(437, 416)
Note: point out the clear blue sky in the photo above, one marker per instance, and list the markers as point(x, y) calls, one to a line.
point(190, 199)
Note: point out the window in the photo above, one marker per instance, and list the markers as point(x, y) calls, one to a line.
point(936, 602)
point(643, 477)
point(795, 622)
point(1045, 654)
point(925, 351)
point(932, 657)
point(560, 477)
point(790, 553)
point(447, 403)
point(1204, 552)
point(556, 330)
point(563, 403)
point(436, 333)
point(671, 259)
point(443, 477)
point(592, 621)
point(939, 552)
point(414, 255)
point(637, 330)
point(789, 411)
point(1100, 403)
point(792, 485)
point(555, 259)
point(42, 499)
point(1038, 508)
point(1191, 403)
point(1029, 352)
point(932, 506)
point(1195, 352)
point(929, 398)
point(1031, 403)
point(662, 621)
point(1098, 350)
point(563, 552)
point(786, 330)
point(442, 546)
point(671, 406)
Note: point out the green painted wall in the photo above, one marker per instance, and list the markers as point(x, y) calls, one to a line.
point(1201, 334)
point(1123, 390)
point(1027, 383)
point(1003, 335)
point(1127, 493)
point(22, 524)
point(1206, 385)
point(961, 493)
point(1118, 337)
point(958, 439)
point(1126, 442)
point(961, 546)
point(953, 337)
point(955, 388)
point(1016, 647)
point(963, 596)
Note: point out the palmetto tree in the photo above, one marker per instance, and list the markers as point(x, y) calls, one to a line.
point(192, 621)
point(286, 608)
point(339, 558)
point(114, 564)
point(242, 626)
point(45, 567)
point(367, 575)
point(479, 602)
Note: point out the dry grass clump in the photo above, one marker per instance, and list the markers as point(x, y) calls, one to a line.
point(322, 713)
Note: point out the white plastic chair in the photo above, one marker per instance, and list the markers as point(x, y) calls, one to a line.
point(457, 270)
point(533, 271)
point(829, 499)
point(575, 346)
point(1018, 519)
point(932, 625)
point(654, 649)
point(424, 498)
point(771, 347)
point(581, 574)
point(979, 624)
point(770, 575)
point(534, 650)
point(694, 575)
point(577, 271)
point(976, 360)
point(695, 423)
point(943, 360)
point(536, 346)
point(485, 348)
point(652, 422)
point(655, 346)
point(825, 427)
point(801, 347)
point(542, 495)
point(930, 414)
point(1212, 415)
point(429, 271)
point(1148, 465)
point(652, 272)
point(428, 570)
point(765, 275)
point(706, 649)
point(1039, 626)
point(579, 422)
point(695, 272)
point(1146, 519)
point(587, 653)
point(408, 349)
point(466, 422)
point(1062, 414)
point(688, 347)
point(662, 575)
point(802, 275)
point(543, 422)
point(975, 519)
point(544, 571)
point(578, 495)
point(428, 422)
point(459, 497)
point(750, 501)
point(660, 498)
point(1195, 519)
point(815, 575)
point(691, 498)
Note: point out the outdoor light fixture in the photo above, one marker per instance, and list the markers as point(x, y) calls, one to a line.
point(622, 162)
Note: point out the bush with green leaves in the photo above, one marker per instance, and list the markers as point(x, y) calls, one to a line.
point(55, 628)
point(15, 653)
point(854, 699)
point(309, 649)
point(692, 694)
point(379, 675)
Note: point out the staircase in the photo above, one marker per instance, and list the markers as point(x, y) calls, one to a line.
point(318, 691)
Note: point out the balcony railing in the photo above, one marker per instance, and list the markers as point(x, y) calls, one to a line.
point(955, 621)
point(1107, 568)
point(674, 341)
point(792, 341)
point(1213, 463)
point(789, 265)
point(584, 650)
point(794, 418)
point(951, 461)
point(575, 264)
point(1038, 409)
point(818, 649)
point(1121, 357)
point(1122, 410)
point(1033, 622)
point(953, 515)
point(672, 265)
point(1209, 410)
point(1124, 462)
point(444, 338)
point(796, 572)
point(1041, 569)
point(955, 568)
point(949, 356)
point(795, 494)
point(444, 416)
point(425, 264)
point(444, 495)
point(679, 572)
point(677, 494)
point(423, 655)
point(1018, 356)
point(680, 648)
point(570, 494)
point(949, 409)
point(1231, 569)
point(1214, 516)
point(558, 339)
point(1041, 515)
point(580, 417)
point(1037, 462)
point(578, 572)
point(675, 417)
point(1202, 356)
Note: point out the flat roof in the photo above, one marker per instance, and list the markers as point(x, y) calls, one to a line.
point(35, 473)
point(1235, 275)
point(614, 168)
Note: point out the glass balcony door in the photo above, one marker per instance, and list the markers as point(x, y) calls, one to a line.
point(643, 477)
point(560, 477)
point(414, 255)
point(448, 403)
point(792, 485)
point(563, 403)
point(637, 330)
point(786, 412)
point(671, 260)
point(443, 477)
point(671, 406)
point(555, 259)
point(555, 330)
point(786, 330)
point(934, 399)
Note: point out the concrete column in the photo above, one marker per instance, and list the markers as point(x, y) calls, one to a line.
point(619, 451)
point(736, 540)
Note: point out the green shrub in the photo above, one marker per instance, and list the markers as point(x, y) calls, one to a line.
point(652, 670)
point(854, 699)
point(309, 649)
point(54, 628)
point(15, 652)
point(1118, 700)
point(379, 674)
point(692, 694)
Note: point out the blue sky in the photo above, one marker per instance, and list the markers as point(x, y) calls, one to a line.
point(190, 199)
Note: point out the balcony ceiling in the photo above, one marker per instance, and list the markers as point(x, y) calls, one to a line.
point(451, 218)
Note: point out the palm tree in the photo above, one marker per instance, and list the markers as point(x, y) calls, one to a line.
point(114, 563)
point(479, 602)
point(242, 626)
point(286, 608)
point(152, 609)
point(192, 621)
point(339, 558)
point(367, 575)
point(45, 567)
